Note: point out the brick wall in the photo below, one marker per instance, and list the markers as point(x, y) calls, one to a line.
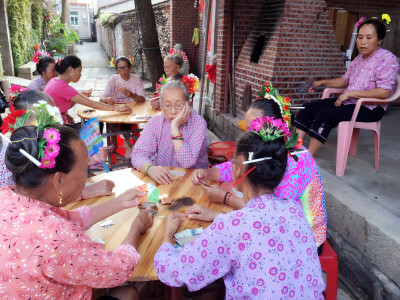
point(300, 43)
point(380, 4)
point(184, 18)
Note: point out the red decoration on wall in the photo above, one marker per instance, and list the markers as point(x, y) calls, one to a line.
point(212, 73)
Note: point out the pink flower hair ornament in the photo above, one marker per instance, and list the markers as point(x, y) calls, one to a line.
point(270, 129)
point(38, 56)
point(48, 148)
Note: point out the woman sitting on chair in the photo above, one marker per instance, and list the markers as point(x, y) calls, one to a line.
point(372, 74)
point(265, 250)
point(176, 138)
point(48, 252)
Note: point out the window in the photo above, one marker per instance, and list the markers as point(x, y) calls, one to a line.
point(74, 18)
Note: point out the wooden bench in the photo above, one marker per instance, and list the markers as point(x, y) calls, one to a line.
point(26, 70)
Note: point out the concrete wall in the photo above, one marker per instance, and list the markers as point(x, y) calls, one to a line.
point(82, 29)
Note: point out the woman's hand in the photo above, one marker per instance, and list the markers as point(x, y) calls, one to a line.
point(124, 109)
point(342, 97)
point(87, 93)
point(108, 100)
point(315, 84)
point(98, 189)
point(214, 193)
point(70, 120)
point(160, 174)
point(202, 174)
point(201, 213)
point(172, 223)
point(155, 104)
point(181, 118)
point(144, 220)
point(126, 92)
point(131, 198)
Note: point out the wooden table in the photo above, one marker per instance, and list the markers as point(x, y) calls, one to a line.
point(141, 113)
point(151, 240)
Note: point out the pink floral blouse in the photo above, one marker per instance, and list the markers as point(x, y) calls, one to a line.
point(46, 253)
point(134, 84)
point(302, 183)
point(264, 251)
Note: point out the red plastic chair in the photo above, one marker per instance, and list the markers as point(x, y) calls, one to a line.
point(329, 265)
point(348, 132)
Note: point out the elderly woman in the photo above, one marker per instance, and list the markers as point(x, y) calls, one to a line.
point(49, 254)
point(172, 66)
point(26, 100)
point(263, 251)
point(372, 74)
point(65, 96)
point(46, 69)
point(176, 138)
point(301, 182)
point(123, 86)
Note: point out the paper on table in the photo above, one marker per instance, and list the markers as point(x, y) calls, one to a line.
point(126, 180)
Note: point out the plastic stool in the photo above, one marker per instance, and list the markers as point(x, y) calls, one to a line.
point(329, 264)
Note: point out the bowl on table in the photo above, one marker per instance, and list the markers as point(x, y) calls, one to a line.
point(222, 148)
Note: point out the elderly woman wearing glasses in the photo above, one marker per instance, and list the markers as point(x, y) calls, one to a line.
point(124, 86)
point(176, 138)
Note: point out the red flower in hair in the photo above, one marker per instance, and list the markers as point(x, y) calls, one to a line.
point(9, 121)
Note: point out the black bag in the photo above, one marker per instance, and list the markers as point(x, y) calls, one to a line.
point(3, 102)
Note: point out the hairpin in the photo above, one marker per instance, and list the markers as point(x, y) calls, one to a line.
point(251, 160)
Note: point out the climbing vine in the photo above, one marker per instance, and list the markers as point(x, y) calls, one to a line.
point(25, 22)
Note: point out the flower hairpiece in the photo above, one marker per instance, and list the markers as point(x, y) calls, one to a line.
point(113, 60)
point(268, 92)
point(191, 81)
point(59, 61)
point(360, 21)
point(14, 91)
point(131, 60)
point(181, 54)
point(48, 148)
point(38, 56)
point(270, 129)
point(386, 18)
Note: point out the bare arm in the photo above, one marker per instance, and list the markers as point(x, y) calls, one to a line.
point(98, 105)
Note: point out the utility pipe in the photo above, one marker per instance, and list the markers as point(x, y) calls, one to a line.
point(204, 58)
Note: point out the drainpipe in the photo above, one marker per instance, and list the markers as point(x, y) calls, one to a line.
point(228, 52)
point(233, 99)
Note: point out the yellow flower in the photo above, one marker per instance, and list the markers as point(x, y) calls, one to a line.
point(386, 18)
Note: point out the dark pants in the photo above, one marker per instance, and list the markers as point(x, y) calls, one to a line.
point(320, 117)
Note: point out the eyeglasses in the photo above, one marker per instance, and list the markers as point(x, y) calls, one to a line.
point(122, 68)
point(176, 106)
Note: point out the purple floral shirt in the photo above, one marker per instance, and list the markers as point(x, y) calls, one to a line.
point(302, 183)
point(378, 71)
point(5, 174)
point(155, 144)
point(264, 251)
point(38, 84)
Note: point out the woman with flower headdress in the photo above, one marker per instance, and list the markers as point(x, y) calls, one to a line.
point(49, 254)
point(301, 182)
point(45, 66)
point(372, 74)
point(246, 247)
point(69, 70)
point(172, 67)
point(29, 100)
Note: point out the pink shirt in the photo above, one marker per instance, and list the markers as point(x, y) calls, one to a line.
point(49, 255)
point(155, 144)
point(134, 84)
point(378, 71)
point(61, 93)
point(263, 251)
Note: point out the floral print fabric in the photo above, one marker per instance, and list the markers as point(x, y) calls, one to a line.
point(264, 251)
point(301, 182)
point(47, 255)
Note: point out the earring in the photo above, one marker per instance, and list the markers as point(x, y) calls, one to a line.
point(60, 198)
